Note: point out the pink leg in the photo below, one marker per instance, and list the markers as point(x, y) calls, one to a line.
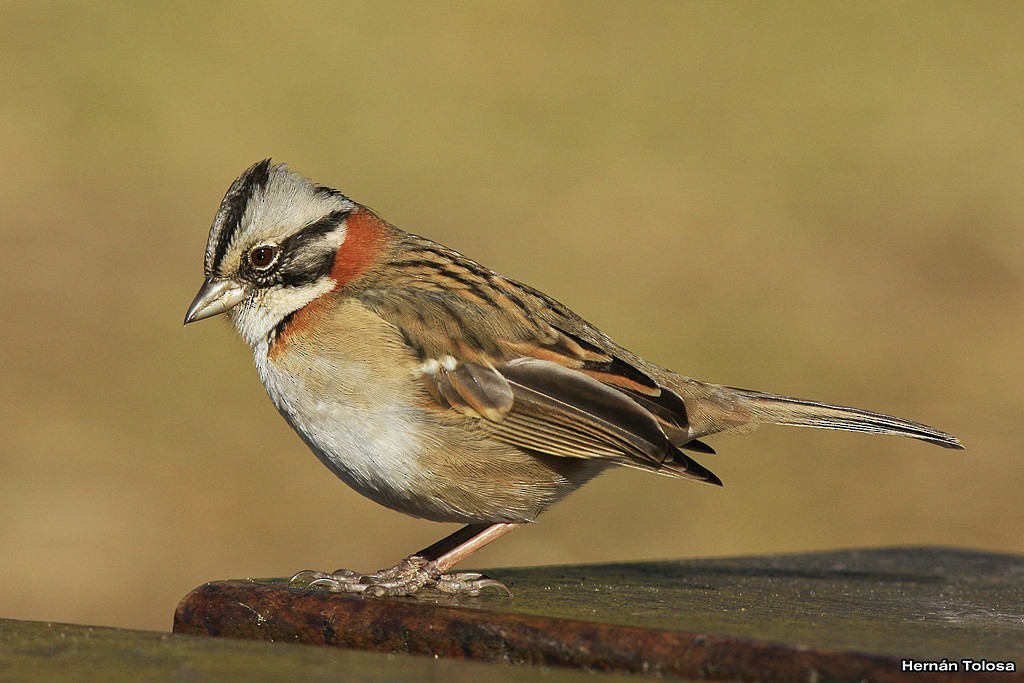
point(453, 549)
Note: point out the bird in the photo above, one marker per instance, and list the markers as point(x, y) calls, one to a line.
point(438, 388)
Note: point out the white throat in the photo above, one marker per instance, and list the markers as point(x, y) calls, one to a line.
point(262, 311)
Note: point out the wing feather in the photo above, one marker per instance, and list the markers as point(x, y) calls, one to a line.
point(534, 373)
point(554, 396)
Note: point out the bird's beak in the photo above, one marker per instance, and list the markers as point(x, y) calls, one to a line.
point(216, 296)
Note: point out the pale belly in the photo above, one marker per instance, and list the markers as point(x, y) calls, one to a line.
point(361, 424)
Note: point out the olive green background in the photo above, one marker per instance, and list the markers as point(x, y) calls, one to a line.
point(823, 200)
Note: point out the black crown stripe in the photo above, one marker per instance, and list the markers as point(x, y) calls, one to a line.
point(233, 207)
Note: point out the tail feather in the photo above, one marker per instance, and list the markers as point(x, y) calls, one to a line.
point(712, 408)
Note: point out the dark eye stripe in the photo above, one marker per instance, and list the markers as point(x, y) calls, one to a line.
point(325, 225)
point(304, 259)
point(306, 271)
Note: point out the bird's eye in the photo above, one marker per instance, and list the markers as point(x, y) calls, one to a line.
point(263, 256)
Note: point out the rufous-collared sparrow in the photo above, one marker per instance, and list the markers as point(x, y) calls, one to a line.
point(443, 390)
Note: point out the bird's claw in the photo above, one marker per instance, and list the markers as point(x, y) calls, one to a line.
point(406, 578)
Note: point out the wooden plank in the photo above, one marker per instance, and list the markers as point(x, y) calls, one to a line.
point(851, 615)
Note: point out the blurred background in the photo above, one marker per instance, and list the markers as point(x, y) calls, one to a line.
point(818, 200)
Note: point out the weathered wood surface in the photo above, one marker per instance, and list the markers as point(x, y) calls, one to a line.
point(851, 615)
point(46, 652)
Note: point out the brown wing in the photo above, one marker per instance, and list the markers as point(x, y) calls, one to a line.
point(542, 406)
point(495, 351)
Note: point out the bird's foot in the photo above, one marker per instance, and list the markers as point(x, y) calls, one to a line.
point(406, 578)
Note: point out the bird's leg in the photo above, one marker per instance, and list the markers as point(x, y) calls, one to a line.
point(425, 569)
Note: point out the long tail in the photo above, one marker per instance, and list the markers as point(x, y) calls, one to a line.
point(712, 408)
